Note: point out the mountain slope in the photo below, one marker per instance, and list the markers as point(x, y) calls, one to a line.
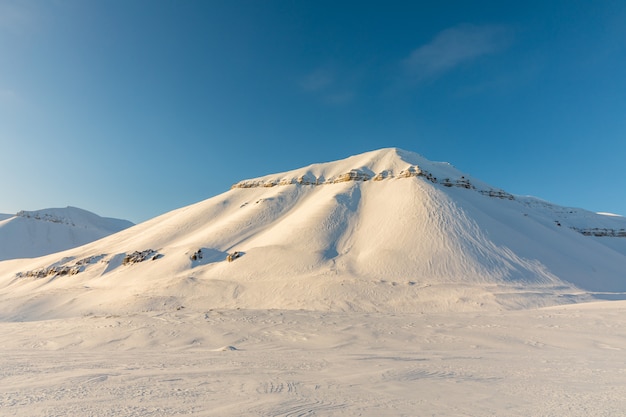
point(383, 231)
point(30, 234)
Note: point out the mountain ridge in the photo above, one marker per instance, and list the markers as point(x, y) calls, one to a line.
point(379, 165)
point(404, 243)
point(29, 234)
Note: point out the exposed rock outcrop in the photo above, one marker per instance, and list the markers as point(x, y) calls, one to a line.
point(47, 217)
point(497, 194)
point(601, 232)
point(232, 256)
point(137, 256)
point(354, 175)
point(61, 268)
point(197, 255)
point(359, 175)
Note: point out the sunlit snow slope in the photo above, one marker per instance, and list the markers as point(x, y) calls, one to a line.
point(35, 233)
point(383, 231)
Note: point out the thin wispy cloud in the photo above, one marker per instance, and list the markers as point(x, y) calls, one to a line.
point(325, 85)
point(317, 80)
point(339, 98)
point(456, 46)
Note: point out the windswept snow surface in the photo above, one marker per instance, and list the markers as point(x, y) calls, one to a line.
point(382, 284)
point(29, 234)
point(559, 361)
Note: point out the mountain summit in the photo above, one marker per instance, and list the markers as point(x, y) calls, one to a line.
point(386, 230)
point(29, 234)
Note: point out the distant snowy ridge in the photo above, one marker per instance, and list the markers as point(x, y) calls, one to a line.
point(47, 217)
point(76, 217)
point(582, 221)
point(35, 233)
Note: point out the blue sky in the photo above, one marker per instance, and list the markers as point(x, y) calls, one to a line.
point(134, 108)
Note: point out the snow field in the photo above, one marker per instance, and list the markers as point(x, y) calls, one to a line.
point(560, 361)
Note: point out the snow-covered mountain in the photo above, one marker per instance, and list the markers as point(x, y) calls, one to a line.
point(387, 230)
point(29, 234)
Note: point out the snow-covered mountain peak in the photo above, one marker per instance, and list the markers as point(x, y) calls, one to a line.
point(376, 165)
point(386, 230)
point(41, 232)
point(381, 165)
point(53, 215)
point(75, 217)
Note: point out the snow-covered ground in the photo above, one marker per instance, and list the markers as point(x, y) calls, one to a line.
point(382, 284)
point(559, 361)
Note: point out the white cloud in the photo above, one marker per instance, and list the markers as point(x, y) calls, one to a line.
point(317, 80)
point(324, 84)
point(339, 98)
point(455, 46)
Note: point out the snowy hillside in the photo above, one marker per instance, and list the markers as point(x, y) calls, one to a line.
point(30, 234)
point(383, 231)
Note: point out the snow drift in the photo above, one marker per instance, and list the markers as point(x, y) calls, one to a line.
point(382, 231)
